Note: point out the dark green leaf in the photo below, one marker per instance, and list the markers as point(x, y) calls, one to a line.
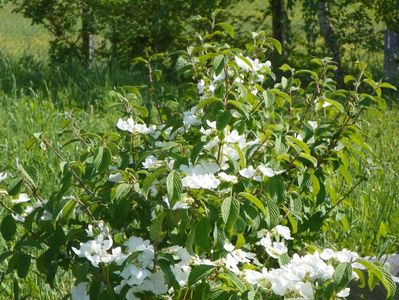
point(8, 227)
point(198, 273)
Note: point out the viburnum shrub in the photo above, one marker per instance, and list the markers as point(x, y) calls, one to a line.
point(219, 193)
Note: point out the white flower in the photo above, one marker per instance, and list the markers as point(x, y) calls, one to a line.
point(134, 275)
point(212, 88)
point(18, 218)
point(96, 250)
point(274, 249)
point(243, 64)
point(253, 277)
point(22, 198)
point(201, 176)
point(3, 176)
point(269, 172)
point(305, 289)
point(201, 86)
point(207, 181)
point(115, 177)
point(220, 77)
point(313, 124)
point(233, 137)
point(327, 254)
point(80, 291)
point(248, 172)
point(344, 293)
point(236, 256)
point(284, 231)
point(155, 283)
point(137, 244)
point(150, 162)
point(250, 64)
point(46, 216)
point(133, 127)
point(189, 118)
point(226, 177)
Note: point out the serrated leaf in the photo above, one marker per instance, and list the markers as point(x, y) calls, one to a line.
point(342, 275)
point(383, 276)
point(255, 201)
point(269, 98)
point(230, 210)
point(198, 273)
point(174, 187)
point(272, 214)
point(30, 175)
point(102, 160)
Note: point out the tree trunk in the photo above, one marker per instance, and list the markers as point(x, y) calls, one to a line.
point(330, 37)
point(87, 37)
point(278, 18)
point(391, 54)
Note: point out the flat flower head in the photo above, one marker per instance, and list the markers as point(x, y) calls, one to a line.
point(150, 162)
point(248, 172)
point(80, 291)
point(283, 231)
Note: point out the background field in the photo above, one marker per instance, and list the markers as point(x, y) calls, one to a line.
point(31, 93)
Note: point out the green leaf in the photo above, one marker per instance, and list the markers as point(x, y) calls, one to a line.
point(227, 27)
point(284, 259)
point(310, 158)
point(276, 44)
point(387, 86)
point(196, 151)
point(14, 186)
point(30, 174)
point(174, 187)
point(230, 210)
point(349, 78)
point(151, 178)
point(255, 201)
point(269, 98)
point(223, 120)
point(383, 275)
point(202, 234)
point(8, 227)
point(102, 159)
point(208, 101)
point(342, 275)
point(23, 265)
point(198, 273)
point(273, 214)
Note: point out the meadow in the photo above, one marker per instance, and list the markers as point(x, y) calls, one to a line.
point(35, 98)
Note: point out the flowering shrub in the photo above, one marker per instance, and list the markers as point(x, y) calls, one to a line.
point(220, 193)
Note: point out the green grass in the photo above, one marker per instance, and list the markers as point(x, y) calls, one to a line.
point(31, 91)
point(373, 209)
point(19, 36)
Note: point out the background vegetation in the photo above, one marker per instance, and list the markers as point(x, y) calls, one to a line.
point(49, 68)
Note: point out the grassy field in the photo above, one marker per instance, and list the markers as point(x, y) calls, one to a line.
point(18, 36)
point(31, 92)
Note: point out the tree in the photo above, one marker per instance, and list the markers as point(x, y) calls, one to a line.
point(126, 28)
point(388, 12)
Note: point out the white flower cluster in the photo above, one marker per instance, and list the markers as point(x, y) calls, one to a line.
point(133, 127)
point(140, 274)
point(299, 277)
point(24, 198)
